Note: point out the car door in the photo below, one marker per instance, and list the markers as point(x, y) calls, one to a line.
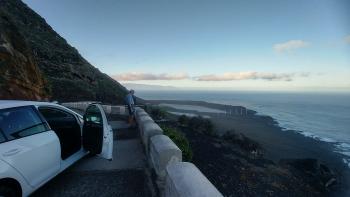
point(97, 134)
point(66, 127)
point(29, 145)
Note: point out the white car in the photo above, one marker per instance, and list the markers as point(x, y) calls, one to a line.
point(38, 140)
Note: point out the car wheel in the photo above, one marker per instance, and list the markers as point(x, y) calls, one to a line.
point(6, 191)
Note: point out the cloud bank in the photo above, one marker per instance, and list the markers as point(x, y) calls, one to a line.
point(233, 76)
point(135, 76)
point(229, 76)
point(290, 46)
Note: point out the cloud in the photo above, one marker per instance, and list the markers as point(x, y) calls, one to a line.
point(228, 76)
point(347, 39)
point(290, 45)
point(233, 76)
point(136, 76)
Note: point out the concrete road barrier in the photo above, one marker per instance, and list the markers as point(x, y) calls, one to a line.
point(78, 105)
point(142, 120)
point(137, 117)
point(121, 110)
point(163, 151)
point(139, 110)
point(174, 177)
point(107, 109)
point(149, 129)
point(184, 179)
point(139, 114)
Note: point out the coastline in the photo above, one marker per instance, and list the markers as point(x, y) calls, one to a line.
point(277, 142)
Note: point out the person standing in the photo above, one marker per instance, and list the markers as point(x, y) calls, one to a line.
point(130, 102)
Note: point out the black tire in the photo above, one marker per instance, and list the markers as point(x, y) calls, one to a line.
point(6, 191)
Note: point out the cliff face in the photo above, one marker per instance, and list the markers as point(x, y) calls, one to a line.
point(69, 76)
point(20, 76)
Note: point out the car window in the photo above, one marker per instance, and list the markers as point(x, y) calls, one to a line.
point(52, 114)
point(20, 122)
point(93, 114)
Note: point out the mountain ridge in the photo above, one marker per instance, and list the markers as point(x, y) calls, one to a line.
point(67, 75)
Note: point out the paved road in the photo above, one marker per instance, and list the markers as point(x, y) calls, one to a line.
point(96, 183)
point(94, 176)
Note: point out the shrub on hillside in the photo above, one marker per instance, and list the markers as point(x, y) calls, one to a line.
point(183, 120)
point(180, 140)
point(244, 142)
point(157, 113)
point(202, 125)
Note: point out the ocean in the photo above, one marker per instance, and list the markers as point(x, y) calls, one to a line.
point(323, 116)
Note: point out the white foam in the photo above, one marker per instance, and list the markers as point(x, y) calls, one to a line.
point(186, 114)
point(312, 135)
point(347, 162)
point(307, 134)
point(340, 147)
point(324, 139)
point(192, 108)
point(343, 148)
point(344, 145)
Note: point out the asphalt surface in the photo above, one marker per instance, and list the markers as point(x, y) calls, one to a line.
point(94, 176)
point(96, 183)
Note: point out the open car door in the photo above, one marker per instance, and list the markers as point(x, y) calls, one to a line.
point(97, 134)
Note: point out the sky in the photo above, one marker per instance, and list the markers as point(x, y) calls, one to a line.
point(210, 44)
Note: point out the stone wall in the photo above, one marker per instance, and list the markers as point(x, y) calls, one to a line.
point(174, 177)
point(109, 109)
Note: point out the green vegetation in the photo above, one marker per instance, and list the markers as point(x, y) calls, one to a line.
point(183, 120)
point(157, 113)
point(180, 140)
point(240, 139)
point(198, 124)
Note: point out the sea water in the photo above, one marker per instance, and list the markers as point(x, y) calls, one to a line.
point(324, 116)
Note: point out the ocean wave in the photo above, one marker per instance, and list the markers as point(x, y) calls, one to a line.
point(342, 148)
point(187, 114)
point(347, 162)
point(324, 117)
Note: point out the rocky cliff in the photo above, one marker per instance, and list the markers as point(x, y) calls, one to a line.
point(20, 76)
point(37, 63)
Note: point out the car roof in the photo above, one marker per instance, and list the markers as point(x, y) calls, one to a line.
point(18, 103)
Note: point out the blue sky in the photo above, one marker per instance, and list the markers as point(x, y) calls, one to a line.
point(248, 44)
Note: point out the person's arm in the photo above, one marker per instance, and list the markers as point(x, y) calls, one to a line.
point(134, 99)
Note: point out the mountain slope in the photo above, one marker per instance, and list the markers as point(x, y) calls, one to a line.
point(69, 76)
point(20, 76)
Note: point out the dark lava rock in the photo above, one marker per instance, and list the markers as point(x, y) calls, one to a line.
point(245, 143)
point(304, 165)
point(318, 174)
point(228, 164)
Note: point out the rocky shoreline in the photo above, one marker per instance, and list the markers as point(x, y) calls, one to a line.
point(292, 164)
point(236, 172)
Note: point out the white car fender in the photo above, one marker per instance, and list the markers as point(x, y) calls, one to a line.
point(7, 171)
